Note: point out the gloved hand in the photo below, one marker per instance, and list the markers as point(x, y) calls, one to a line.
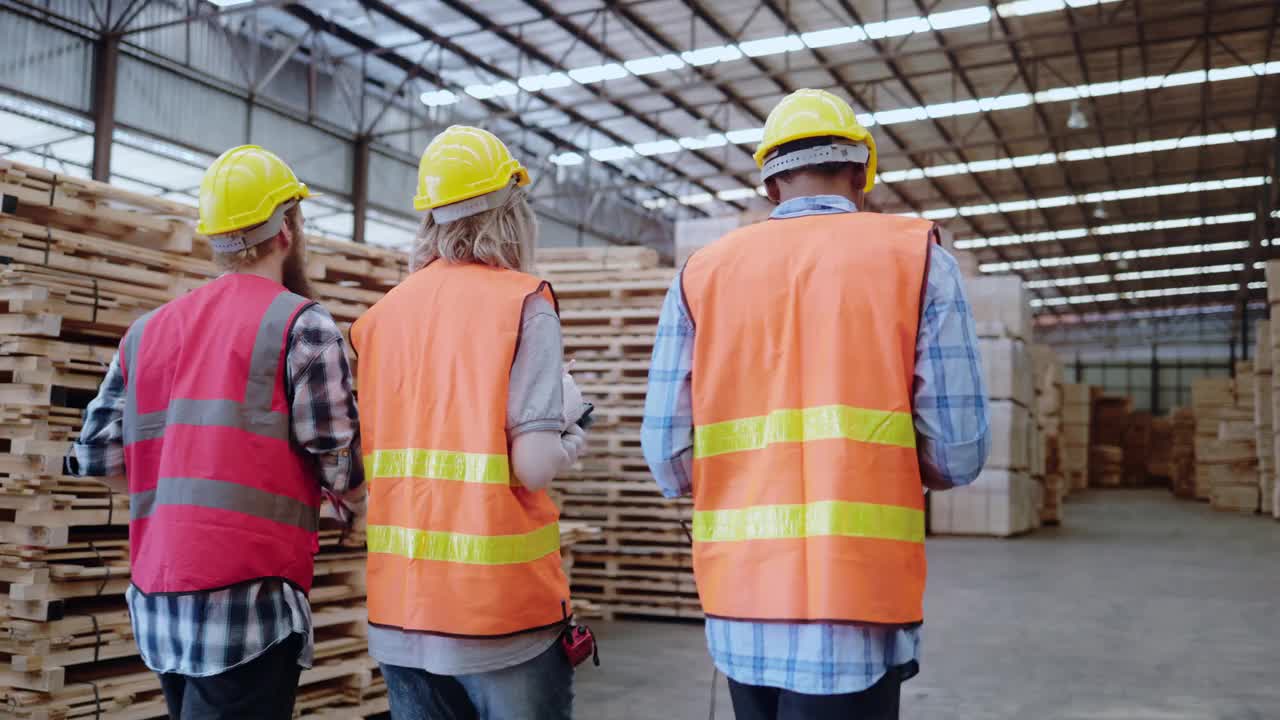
point(574, 441)
point(574, 405)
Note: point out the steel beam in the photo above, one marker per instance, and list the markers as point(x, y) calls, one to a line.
point(360, 189)
point(106, 56)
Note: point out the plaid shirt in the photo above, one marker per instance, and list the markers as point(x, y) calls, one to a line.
point(206, 633)
point(950, 409)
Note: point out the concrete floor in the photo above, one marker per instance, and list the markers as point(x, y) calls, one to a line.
point(1140, 608)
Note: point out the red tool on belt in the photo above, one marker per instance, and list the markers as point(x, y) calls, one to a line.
point(577, 641)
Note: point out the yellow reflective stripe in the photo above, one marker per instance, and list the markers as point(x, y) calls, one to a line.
point(828, 517)
point(827, 422)
point(437, 465)
point(459, 548)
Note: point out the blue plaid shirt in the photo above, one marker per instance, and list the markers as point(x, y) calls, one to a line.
point(952, 437)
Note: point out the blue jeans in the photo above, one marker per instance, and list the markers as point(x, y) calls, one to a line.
point(540, 689)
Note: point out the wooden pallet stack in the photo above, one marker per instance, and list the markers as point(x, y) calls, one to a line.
point(1182, 455)
point(642, 563)
point(1110, 425)
point(1211, 399)
point(82, 260)
point(1005, 500)
point(1264, 416)
point(1046, 459)
point(1077, 417)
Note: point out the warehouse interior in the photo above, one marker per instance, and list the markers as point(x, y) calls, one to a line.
point(1106, 173)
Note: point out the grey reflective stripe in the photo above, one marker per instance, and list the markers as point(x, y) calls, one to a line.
point(229, 496)
point(129, 348)
point(216, 413)
point(253, 414)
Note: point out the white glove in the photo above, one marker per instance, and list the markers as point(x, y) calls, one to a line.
point(574, 441)
point(574, 405)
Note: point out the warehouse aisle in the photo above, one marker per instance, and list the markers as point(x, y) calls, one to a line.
point(1142, 608)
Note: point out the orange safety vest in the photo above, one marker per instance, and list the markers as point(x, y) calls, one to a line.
point(808, 503)
point(456, 546)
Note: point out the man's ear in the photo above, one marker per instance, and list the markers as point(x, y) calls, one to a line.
point(771, 189)
point(284, 239)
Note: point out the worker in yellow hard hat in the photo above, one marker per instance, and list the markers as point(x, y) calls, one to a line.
point(229, 414)
point(468, 415)
point(812, 375)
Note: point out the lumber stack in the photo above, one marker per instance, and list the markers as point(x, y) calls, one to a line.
point(1273, 352)
point(1046, 460)
point(1160, 457)
point(1210, 399)
point(81, 261)
point(641, 565)
point(1077, 416)
point(1110, 425)
point(1005, 499)
point(1233, 464)
point(1182, 459)
point(1264, 417)
point(1137, 449)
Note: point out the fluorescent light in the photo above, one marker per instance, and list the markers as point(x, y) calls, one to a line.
point(657, 147)
point(1094, 197)
point(228, 3)
point(1036, 7)
point(567, 158)
point(436, 98)
point(598, 73)
point(711, 55)
point(1139, 294)
point(896, 28)
point(736, 194)
point(612, 154)
point(1067, 282)
point(650, 65)
point(714, 140)
point(743, 137)
point(1116, 229)
point(771, 46)
point(549, 81)
point(980, 15)
point(833, 36)
point(696, 199)
point(655, 203)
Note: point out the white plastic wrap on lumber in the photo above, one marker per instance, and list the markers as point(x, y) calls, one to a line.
point(1001, 298)
point(1006, 368)
point(999, 503)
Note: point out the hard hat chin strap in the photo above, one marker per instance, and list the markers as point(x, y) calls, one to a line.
point(235, 242)
point(833, 153)
point(446, 214)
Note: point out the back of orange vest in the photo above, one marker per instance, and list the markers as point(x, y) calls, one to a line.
point(807, 492)
point(456, 546)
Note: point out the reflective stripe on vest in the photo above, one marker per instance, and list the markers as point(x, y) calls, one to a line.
point(438, 465)
point(254, 414)
point(456, 545)
point(460, 548)
point(808, 502)
point(829, 517)
point(828, 422)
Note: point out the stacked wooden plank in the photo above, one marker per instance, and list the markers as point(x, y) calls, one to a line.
point(1182, 455)
point(1137, 449)
point(1077, 415)
point(1264, 417)
point(642, 564)
point(1233, 468)
point(1046, 460)
point(80, 261)
point(1005, 499)
point(1110, 425)
point(1211, 398)
point(1273, 352)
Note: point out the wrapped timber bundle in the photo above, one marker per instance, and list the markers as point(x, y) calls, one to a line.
point(1210, 399)
point(1047, 417)
point(1005, 499)
point(81, 261)
point(1160, 459)
point(1077, 416)
point(1264, 416)
point(1231, 463)
point(1137, 449)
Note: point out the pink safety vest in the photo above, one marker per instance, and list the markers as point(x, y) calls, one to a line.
point(219, 494)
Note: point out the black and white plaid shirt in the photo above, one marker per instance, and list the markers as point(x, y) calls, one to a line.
point(206, 633)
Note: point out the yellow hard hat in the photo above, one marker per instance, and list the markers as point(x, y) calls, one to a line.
point(463, 163)
point(808, 114)
point(243, 188)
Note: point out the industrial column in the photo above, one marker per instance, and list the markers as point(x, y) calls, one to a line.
point(360, 189)
point(105, 63)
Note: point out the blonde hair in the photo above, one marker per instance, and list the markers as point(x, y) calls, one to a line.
point(503, 237)
point(237, 261)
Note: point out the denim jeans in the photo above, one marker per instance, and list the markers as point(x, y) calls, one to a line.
point(540, 689)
